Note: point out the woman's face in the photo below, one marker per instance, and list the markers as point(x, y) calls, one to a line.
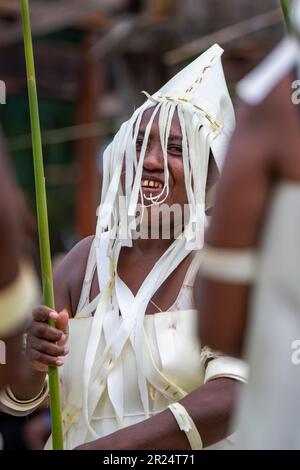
point(153, 169)
point(152, 180)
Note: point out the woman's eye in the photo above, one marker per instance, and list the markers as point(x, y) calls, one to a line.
point(175, 149)
point(139, 144)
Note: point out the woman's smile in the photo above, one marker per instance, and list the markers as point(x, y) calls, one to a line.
point(151, 186)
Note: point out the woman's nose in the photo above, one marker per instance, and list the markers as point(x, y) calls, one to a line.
point(154, 159)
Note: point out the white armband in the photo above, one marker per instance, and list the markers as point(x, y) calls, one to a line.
point(229, 367)
point(229, 265)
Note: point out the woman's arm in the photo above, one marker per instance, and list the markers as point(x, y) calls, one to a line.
point(210, 406)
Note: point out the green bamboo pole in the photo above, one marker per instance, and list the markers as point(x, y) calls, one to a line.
point(42, 217)
point(286, 10)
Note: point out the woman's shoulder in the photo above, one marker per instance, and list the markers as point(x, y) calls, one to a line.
point(69, 274)
point(81, 250)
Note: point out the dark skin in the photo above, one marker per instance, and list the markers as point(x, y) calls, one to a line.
point(10, 251)
point(210, 405)
point(10, 246)
point(251, 171)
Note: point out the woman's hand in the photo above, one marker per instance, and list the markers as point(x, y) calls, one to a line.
point(46, 345)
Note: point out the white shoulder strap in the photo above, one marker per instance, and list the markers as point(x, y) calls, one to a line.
point(83, 304)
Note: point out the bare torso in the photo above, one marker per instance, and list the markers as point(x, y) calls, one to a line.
point(133, 267)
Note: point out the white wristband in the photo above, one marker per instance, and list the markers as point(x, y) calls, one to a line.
point(14, 406)
point(187, 425)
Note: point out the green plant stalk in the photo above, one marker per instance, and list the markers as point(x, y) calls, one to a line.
point(42, 218)
point(286, 10)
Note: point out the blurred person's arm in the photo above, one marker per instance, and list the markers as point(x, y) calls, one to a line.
point(250, 173)
point(10, 243)
point(46, 345)
point(18, 288)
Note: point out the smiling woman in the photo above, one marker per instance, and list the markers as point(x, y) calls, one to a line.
point(136, 377)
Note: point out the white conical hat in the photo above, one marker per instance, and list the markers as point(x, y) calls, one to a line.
point(202, 85)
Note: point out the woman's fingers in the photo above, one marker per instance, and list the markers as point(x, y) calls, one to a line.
point(48, 348)
point(63, 340)
point(43, 354)
point(45, 331)
point(43, 314)
point(46, 343)
point(62, 322)
point(42, 361)
point(40, 328)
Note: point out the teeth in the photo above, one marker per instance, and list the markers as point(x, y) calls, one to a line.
point(151, 184)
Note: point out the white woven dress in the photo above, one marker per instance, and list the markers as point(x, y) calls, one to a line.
point(173, 363)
